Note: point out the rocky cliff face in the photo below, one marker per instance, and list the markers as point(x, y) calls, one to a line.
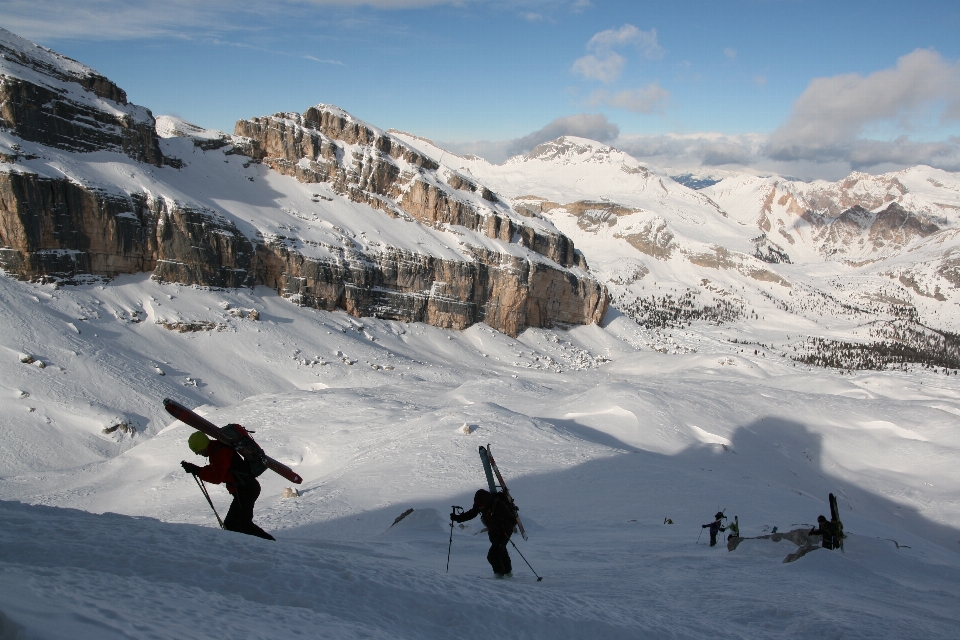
point(58, 102)
point(51, 227)
point(326, 144)
point(508, 271)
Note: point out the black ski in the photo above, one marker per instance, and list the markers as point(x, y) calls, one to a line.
point(485, 459)
point(489, 464)
point(835, 519)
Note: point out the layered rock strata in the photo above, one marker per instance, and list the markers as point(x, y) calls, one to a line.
point(64, 226)
point(51, 227)
point(55, 101)
point(327, 145)
point(55, 227)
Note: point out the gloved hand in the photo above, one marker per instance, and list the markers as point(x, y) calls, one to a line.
point(189, 467)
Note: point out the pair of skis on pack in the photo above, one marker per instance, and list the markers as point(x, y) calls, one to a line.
point(490, 469)
point(200, 423)
point(835, 519)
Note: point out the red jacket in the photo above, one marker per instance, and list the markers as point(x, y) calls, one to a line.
point(218, 469)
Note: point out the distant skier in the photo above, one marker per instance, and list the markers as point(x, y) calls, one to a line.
point(228, 467)
point(500, 519)
point(715, 526)
point(829, 532)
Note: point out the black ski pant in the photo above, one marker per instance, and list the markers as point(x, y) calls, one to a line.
point(240, 515)
point(498, 557)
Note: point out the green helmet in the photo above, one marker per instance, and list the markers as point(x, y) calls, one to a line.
point(198, 441)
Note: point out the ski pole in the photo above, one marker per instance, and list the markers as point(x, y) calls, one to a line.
point(209, 501)
point(453, 512)
point(539, 578)
point(700, 536)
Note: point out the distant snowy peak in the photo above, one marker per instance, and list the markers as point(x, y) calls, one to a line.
point(174, 127)
point(920, 189)
point(574, 150)
point(860, 217)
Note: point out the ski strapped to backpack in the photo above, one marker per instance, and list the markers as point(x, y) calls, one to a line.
point(835, 520)
point(490, 465)
point(235, 437)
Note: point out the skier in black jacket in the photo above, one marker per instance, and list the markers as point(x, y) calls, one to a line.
point(715, 526)
point(500, 520)
point(829, 532)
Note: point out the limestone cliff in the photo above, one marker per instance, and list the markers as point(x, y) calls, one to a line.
point(63, 216)
point(326, 144)
point(58, 102)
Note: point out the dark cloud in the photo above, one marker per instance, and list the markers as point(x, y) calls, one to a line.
point(694, 150)
point(594, 126)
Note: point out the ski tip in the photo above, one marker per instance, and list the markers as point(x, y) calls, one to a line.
point(296, 479)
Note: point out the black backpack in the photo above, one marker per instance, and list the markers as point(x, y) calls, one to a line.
point(246, 446)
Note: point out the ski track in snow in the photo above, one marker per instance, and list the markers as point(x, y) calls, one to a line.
point(600, 443)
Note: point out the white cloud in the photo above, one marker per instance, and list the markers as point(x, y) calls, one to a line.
point(112, 19)
point(51, 20)
point(628, 34)
point(603, 63)
point(324, 61)
point(606, 69)
point(649, 99)
point(831, 115)
point(730, 53)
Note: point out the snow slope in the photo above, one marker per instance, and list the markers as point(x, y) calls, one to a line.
point(600, 436)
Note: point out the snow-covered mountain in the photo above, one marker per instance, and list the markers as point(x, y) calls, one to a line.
point(868, 263)
point(327, 210)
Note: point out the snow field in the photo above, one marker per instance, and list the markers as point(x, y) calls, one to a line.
point(599, 444)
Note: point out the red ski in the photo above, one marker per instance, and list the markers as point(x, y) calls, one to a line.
point(199, 423)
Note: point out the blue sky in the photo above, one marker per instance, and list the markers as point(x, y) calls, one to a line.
point(805, 88)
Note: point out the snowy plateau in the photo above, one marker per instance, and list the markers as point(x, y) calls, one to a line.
point(767, 342)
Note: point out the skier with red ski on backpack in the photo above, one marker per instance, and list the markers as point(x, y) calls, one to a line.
point(230, 468)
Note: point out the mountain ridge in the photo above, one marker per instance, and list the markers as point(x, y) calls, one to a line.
point(89, 187)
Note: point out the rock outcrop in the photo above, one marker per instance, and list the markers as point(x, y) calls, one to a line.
point(55, 101)
point(858, 228)
point(54, 227)
point(375, 168)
